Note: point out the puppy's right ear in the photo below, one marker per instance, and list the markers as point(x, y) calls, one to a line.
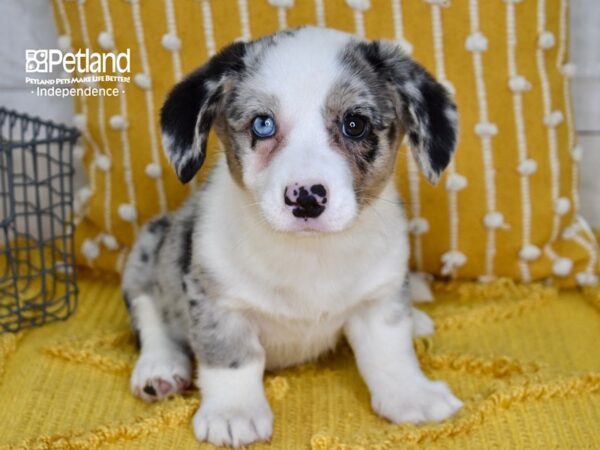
point(191, 107)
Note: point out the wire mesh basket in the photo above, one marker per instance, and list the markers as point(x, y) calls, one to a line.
point(37, 267)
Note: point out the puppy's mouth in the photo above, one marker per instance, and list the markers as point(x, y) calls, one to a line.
point(307, 226)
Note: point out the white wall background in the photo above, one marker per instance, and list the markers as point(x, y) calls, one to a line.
point(29, 24)
point(585, 53)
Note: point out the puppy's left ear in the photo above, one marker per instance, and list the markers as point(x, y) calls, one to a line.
point(191, 107)
point(426, 109)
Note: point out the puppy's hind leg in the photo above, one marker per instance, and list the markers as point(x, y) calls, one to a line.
point(163, 368)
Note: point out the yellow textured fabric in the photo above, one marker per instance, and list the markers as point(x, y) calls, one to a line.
point(513, 184)
point(524, 360)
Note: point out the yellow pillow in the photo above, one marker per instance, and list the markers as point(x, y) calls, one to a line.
point(507, 206)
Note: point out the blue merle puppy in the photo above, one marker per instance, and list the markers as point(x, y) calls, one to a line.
point(298, 237)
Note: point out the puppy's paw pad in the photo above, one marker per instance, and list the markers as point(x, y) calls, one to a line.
point(160, 375)
point(232, 427)
point(427, 401)
point(422, 324)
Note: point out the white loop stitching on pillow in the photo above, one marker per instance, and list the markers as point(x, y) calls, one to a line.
point(103, 162)
point(519, 84)
point(359, 5)
point(453, 183)
point(142, 80)
point(562, 206)
point(562, 267)
point(153, 170)
point(145, 78)
point(527, 167)
point(553, 119)
point(106, 40)
point(443, 3)
point(486, 129)
point(117, 122)
point(90, 249)
point(282, 3)
point(546, 40)
point(452, 260)
point(530, 252)
point(494, 220)
point(172, 29)
point(110, 242)
point(456, 182)
point(586, 278)
point(571, 231)
point(418, 226)
point(170, 42)
point(127, 212)
point(476, 42)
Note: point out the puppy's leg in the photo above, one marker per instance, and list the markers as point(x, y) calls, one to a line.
point(163, 368)
point(381, 337)
point(234, 410)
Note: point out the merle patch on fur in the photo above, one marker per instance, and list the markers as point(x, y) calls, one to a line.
point(373, 146)
point(159, 225)
point(185, 257)
point(220, 338)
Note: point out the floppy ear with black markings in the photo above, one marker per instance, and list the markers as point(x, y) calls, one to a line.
point(191, 107)
point(426, 109)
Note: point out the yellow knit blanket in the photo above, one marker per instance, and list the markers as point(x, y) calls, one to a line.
point(525, 360)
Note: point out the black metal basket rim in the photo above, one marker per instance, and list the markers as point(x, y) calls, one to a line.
point(72, 132)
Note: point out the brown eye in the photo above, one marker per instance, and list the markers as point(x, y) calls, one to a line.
point(355, 126)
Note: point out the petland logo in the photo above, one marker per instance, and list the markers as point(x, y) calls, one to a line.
point(79, 73)
point(45, 61)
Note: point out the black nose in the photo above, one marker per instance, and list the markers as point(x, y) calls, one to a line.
point(306, 203)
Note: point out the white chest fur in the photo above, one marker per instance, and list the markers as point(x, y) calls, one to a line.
point(299, 290)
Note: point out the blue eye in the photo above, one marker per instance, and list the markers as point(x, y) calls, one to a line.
point(263, 127)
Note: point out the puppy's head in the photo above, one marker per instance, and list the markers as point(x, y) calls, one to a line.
point(311, 120)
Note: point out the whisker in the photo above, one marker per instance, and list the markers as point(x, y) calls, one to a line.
point(251, 205)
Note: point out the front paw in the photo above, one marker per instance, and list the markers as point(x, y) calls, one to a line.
point(161, 374)
point(423, 401)
point(230, 426)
